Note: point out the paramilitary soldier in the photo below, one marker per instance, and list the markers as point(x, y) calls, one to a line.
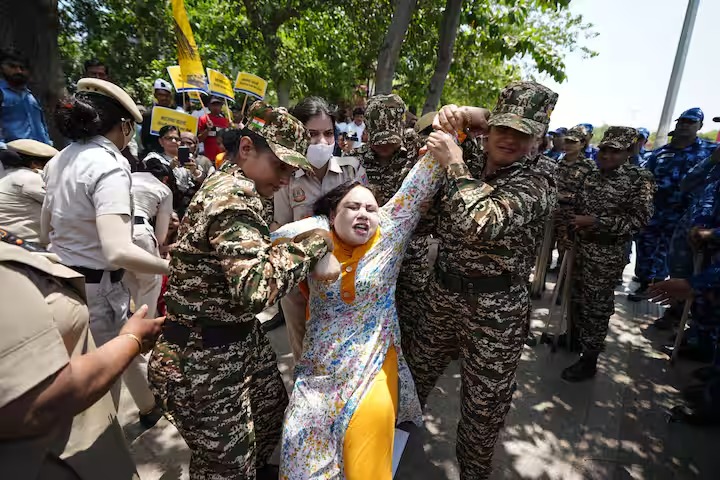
point(492, 212)
point(213, 365)
point(572, 168)
point(614, 202)
point(388, 157)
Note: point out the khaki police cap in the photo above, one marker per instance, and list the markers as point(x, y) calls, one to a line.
point(113, 91)
point(32, 148)
point(425, 121)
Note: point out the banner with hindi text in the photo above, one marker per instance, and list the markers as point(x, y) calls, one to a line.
point(250, 84)
point(162, 116)
point(220, 85)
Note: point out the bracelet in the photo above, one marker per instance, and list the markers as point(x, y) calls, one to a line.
point(134, 337)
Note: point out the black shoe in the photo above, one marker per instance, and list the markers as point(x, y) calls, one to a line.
point(148, 420)
point(531, 341)
point(554, 269)
point(666, 322)
point(274, 322)
point(619, 281)
point(640, 294)
point(583, 369)
point(636, 279)
point(268, 472)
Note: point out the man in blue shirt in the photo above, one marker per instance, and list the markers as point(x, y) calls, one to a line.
point(590, 151)
point(669, 164)
point(640, 154)
point(21, 115)
point(558, 147)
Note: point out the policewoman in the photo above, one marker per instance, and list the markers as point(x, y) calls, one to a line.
point(87, 214)
point(22, 189)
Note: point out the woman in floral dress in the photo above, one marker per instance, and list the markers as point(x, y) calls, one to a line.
point(352, 384)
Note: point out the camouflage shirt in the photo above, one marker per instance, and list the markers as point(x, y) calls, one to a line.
point(224, 267)
point(569, 175)
point(492, 224)
point(386, 176)
point(621, 200)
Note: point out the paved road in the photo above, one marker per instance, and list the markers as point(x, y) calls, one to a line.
point(613, 427)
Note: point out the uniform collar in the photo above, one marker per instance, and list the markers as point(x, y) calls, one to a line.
point(105, 143)
point(333, 166)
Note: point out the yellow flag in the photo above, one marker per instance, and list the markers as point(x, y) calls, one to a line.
point(193, 73)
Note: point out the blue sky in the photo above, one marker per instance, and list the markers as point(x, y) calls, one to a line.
point(626, 83)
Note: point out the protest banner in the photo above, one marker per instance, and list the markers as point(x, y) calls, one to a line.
point(162, 116)
point(220, 85)
point(250, 84)
point(191, 67)
point(178, 82)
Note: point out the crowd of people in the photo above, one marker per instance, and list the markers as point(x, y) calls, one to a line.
point(331, 216)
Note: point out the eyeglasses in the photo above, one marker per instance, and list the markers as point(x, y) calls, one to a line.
point(172, 139)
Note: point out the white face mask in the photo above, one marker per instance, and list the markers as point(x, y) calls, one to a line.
point(319, 154)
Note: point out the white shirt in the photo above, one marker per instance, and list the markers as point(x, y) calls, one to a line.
point(353, 130)
point(86, 180)
point(22, 192)
point(150, 196)
point(295, 200)
point(183, 177)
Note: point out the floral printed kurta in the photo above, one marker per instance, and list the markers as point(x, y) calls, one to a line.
point(353, 322)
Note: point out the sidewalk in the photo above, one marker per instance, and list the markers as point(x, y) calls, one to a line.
point(613, 427)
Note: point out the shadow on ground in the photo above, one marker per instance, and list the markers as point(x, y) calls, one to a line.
point(613, 427)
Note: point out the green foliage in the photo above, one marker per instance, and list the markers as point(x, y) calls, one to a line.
point(711, 135)
point(324, 48)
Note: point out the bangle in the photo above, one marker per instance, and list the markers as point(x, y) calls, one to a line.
point(134, 337)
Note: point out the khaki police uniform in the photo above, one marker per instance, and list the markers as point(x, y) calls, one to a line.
point(43, 324)
point(87, 180)
point(294, 202)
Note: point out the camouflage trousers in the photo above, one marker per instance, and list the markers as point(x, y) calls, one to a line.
point(488, 331)
point(595, 274)
point(228, 402)
point(411, 284)
point(653, 245)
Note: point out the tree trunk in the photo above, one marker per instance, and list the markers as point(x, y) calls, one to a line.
point(446, 46)
point(390, 50)
point(282, 85)
point(31, 27)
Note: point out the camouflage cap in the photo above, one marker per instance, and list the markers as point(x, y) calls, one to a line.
point(524, 106)
point(576, 133)
point(285, 134)
point(621, 138)
point(385, 119)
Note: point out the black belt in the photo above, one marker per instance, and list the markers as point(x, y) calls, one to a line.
point(212, 336)
point(473, 285)
point(95, 276)
point(605, 239)
point(140, 220)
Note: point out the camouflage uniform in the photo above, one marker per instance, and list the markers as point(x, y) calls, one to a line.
point(570, 172)
point(621, 200)
point(489, 229)
point(213, 366)
point(384, 119)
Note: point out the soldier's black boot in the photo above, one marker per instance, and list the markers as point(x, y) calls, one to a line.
point(583, 369)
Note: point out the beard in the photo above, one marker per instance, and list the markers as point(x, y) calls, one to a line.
point(17, 79)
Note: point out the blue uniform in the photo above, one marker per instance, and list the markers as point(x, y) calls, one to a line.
point(669, 166)
point(591, 152)
point(554, 154)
